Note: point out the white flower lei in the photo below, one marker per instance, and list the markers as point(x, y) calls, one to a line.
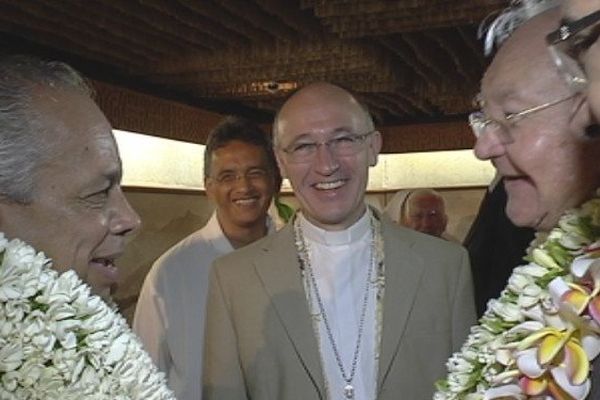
point(57, 341)
point(536, 341)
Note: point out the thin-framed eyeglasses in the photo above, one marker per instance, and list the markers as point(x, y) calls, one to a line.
point(481, 124)
point(342, 145)
point(228, 178)
point(568, 43)
point(419, 215)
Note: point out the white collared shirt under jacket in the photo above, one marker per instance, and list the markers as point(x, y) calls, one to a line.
point(340, 261)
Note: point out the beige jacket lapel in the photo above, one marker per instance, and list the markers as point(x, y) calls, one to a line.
point(278, 269)
point(403, 273)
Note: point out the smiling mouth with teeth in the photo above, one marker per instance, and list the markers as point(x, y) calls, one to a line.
point(246, 201)
point(329, 185)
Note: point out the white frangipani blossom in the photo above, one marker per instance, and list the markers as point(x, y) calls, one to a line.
point(502, 349)
point(59, 342)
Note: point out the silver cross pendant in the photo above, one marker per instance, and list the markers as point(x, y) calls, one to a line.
point(349, 391)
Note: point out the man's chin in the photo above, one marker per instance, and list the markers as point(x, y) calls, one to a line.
point(249, 220)
point(104, 291)
point(522, 216)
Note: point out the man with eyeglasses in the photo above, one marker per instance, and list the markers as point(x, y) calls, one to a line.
point(537, 129)
point(534, 128)
point(341, 303)
point(241, 177)
point(424, 210)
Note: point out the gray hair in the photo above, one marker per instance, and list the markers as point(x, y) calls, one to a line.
point(515, 15)
point(22, 147)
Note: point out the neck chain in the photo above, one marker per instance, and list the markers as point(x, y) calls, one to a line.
point(312, 284)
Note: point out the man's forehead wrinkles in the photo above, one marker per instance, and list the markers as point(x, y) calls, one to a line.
point(239, 167)
point(500, 93)
point(323, 132)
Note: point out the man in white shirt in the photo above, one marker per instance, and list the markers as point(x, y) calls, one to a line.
point(240, 177)
point(341, 303)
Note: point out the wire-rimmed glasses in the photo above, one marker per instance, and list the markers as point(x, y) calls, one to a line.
point(480, 123)
point(342, 144)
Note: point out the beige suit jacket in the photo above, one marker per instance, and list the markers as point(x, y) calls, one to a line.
point(260, 343)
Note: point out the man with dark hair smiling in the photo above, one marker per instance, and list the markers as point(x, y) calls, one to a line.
point(241, 177)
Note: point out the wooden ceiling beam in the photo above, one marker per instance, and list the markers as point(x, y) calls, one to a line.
point(137, 112)
point(301, 21)
point(86, 24)
point(192, 21)
point(469, 35)
point(219, 15)
point(451, 53)
point(259, 19)
point(150, 16)
point(396, 20)
point(37, 31)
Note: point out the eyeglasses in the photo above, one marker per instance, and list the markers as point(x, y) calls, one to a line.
point(419, 215)
point(228, 178)
point(343, 145)
point(480, 124)
point(568, 43)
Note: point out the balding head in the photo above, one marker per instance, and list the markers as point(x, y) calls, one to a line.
point(524, 58)
point(424, 210)
point(316, 94)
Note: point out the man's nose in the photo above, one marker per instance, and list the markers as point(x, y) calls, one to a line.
point(242, 182)
point(489, 145)
point(326, 162)
point(124, 219)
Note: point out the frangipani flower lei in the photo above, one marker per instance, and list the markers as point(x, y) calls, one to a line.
point(57, 341)
point(536, 341)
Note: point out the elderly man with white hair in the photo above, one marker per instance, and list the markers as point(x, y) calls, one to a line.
point(540, 338)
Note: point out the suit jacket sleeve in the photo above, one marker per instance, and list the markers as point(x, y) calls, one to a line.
point(222, 376)
point(464, 315)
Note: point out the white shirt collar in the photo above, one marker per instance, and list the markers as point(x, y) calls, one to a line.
point(349, 235)
point(215, 233)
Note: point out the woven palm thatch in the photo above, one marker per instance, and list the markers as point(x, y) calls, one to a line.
point(408, 60)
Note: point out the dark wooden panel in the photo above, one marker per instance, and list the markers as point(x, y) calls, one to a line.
point(138, 112)
point(427, 137)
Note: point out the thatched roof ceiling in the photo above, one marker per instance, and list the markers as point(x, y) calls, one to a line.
point(410, 61)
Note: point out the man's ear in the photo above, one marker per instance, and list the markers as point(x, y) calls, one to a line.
point(375, 143)
point(584, 122)
point(209, 186)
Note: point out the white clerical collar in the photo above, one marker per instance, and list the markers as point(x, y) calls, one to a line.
point(335, 238)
